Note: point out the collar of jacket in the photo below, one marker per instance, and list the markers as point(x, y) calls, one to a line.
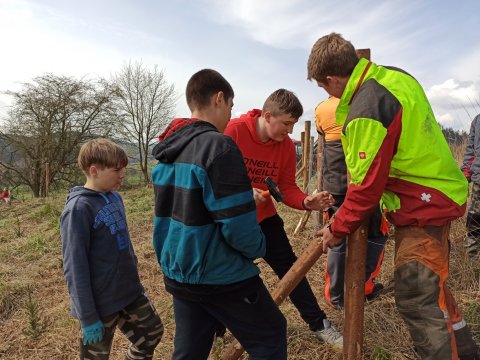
point(362, 72)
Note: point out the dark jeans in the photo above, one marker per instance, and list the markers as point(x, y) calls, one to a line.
point(280, 257)
point(255, 321)
point(335, 268)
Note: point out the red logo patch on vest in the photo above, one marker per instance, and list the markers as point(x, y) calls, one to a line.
point(362, 155)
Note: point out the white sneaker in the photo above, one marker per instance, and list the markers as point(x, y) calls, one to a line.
point(330, 335)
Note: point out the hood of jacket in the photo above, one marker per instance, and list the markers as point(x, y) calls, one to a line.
point(178, 135)
point(80, 190)
point(250, 119)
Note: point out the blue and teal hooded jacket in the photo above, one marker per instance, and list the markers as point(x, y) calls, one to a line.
point(205, 227)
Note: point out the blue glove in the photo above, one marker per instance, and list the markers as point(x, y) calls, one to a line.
point(92, 333)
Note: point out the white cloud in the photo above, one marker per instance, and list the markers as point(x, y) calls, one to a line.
point(258, 46)
point(458, 94)
point(455, 102)
point(298, 23)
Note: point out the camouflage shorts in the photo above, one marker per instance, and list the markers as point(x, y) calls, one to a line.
point(139, 322)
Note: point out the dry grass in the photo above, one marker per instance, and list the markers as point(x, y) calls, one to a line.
point(31, 263)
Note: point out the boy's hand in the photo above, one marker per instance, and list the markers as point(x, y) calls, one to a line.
point(318, 201)
point(329, 241)
point(260, 196)
point(92, 334)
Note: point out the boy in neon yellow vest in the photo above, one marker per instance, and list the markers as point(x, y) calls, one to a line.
point(395, 151)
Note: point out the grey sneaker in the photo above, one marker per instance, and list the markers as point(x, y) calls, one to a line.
point(330, 335)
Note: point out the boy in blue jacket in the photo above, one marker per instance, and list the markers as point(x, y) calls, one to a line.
point(206, 234)
point(99, 262)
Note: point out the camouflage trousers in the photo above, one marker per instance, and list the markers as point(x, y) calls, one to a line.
point(139, 322)
point(473, 222)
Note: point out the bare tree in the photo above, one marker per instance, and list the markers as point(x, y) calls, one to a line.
point(49, 119)
point(145, 103)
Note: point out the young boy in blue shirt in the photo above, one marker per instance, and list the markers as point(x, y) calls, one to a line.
point(99, 262)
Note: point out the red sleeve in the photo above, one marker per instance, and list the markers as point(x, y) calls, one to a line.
point(286, 182)
point(360, 200)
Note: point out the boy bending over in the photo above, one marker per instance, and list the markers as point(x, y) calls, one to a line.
point(262, 136)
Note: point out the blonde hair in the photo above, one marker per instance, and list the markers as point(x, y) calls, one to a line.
point(103, 153)
point(331, 55)
point(281, 102)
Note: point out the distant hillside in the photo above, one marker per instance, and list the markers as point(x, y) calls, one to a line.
point(6, 151)
point(132, 150)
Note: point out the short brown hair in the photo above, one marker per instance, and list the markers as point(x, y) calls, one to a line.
point(101, 152)
point(202, 85)
point(331, 55)
point(281, 102)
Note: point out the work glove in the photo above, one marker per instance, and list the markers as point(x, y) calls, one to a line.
point(92, 334)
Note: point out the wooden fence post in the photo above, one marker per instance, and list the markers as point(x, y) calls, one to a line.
point(319, 217)
point(355, 282)
point(306, 155)
point(354, 293)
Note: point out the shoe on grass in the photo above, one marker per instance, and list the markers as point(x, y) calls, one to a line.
point(330, 335)
point(377, 290)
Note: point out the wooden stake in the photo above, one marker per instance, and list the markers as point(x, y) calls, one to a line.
point(299, 173)
point(303, 220)
point(354, 293)
point(363, 53)
point(302, 143)
point(310, 156)
point(319, 214)
point(306, 155)
point(355, 282)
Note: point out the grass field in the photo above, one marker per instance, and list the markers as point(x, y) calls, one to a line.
point(35, 321)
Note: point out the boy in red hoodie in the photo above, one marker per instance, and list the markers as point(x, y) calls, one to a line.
point(262, 136)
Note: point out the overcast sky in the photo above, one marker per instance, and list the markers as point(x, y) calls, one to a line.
point(258, 45)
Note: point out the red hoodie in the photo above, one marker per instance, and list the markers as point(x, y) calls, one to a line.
point(276, 159)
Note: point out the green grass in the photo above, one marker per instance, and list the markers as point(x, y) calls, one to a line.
point(47, 210)
point(35, 321)
point(37, 246)
point(380, 353)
